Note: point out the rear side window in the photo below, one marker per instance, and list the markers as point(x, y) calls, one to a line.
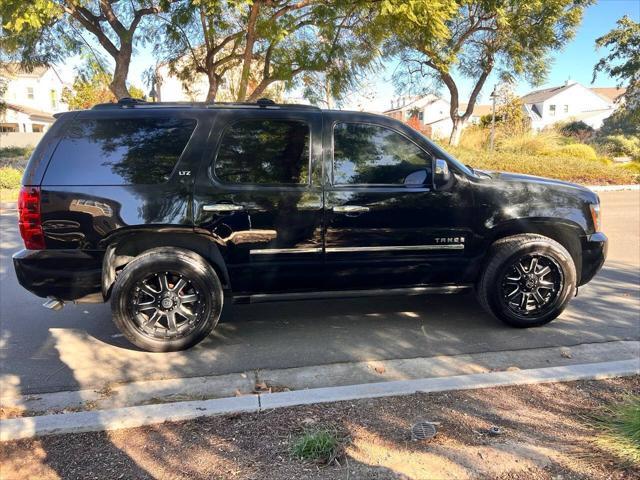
point(267, 152)
point(365, 154)
point(128, 151)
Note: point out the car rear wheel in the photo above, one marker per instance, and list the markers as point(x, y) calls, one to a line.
point(166, 299)
point(528, 280)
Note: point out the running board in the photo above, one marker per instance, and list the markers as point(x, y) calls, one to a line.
point(277, 297)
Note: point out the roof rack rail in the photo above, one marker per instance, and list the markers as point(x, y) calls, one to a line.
point(128, 102)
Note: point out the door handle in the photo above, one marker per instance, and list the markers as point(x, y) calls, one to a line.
point(222, 208)
point(350, 209)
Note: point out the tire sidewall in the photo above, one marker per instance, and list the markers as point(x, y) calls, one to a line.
point(202, 277)
point(564, 261)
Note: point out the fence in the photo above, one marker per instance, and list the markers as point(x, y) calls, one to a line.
point(20, 139)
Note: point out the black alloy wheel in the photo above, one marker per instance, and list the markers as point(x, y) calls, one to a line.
point(531, 285)
point(166, 305)
point(528, 280)
point(167, 299)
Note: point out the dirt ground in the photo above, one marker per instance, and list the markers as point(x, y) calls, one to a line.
point(545, 435)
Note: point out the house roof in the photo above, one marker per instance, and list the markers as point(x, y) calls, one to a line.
point(429, 97)
point(15, 69)
point(32, 112)
point(478, 110)
point(539, 96)
point(610, 93)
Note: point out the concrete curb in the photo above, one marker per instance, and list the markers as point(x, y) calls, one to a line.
point(149, 392)
point(129, 417)
point(614, 188)
point(8, 205)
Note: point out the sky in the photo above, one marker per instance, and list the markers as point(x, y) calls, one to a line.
point(574, 62)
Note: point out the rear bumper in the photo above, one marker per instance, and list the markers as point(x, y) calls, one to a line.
point(72, 275)
point(594, 253)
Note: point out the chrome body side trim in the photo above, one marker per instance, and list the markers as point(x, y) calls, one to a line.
point(271, 251)
point(276, 297)
point(391, 248)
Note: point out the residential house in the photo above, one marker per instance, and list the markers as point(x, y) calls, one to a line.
point(569, 102)
point(432, 112)
point(30, 98)
point(169, 88)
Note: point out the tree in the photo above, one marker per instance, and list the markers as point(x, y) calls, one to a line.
point(268, 41)
point(41, 32)
point(622, 63)
point(91, 86)
point(512, 37)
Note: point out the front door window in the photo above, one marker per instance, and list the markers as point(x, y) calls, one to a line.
point(366, 154)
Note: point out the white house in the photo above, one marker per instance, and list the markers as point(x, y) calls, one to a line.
point(31, 98)
point(432, 113)
point(169, 88)
point(568, 102)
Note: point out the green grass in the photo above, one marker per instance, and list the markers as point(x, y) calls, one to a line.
point(620, 430)
point(321, 446)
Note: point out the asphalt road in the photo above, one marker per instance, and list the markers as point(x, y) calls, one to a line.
point(79, 347)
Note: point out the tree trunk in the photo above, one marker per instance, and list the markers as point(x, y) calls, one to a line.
point(213, 88)
point(248, 50)
point(456, 131)
point(119, 83)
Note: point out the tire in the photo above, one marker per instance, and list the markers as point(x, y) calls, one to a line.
point(506, 284)
point(166, 299)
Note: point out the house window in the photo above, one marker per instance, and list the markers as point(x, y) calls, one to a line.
point(566, 109)
point(54, 99)
point(552, 110)
point(421, 116)
point(30, 93)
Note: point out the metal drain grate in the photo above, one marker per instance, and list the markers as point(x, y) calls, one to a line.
point(423, 431)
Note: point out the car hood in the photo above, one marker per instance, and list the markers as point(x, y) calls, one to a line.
point(532, 179)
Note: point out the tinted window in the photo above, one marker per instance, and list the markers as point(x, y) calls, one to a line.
point(374, 155)
point(119, 151)
point(272, 152)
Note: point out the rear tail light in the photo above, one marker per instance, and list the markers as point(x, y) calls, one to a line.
point(29, 218)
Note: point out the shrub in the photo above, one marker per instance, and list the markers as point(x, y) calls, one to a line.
point(542, 143)
point(570, 169)
point(6, 152)
point(474, 136)
point(15, 157)
point(10, 177)
point(577, 130)
point(620, 145)
point(576, 150)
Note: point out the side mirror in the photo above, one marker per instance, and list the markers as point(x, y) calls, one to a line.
point(441, 173)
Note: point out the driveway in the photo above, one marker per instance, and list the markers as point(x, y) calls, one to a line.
point(79, 348)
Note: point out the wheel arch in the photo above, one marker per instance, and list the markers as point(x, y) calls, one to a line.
point(566, 233)
point(124, 247)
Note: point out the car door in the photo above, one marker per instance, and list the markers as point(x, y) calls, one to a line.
point(261, 198)
point(386, 226)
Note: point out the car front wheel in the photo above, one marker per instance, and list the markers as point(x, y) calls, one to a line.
point(528, 281)
point(166, 299)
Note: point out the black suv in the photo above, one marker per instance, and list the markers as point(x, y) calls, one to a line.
point(169, 209)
